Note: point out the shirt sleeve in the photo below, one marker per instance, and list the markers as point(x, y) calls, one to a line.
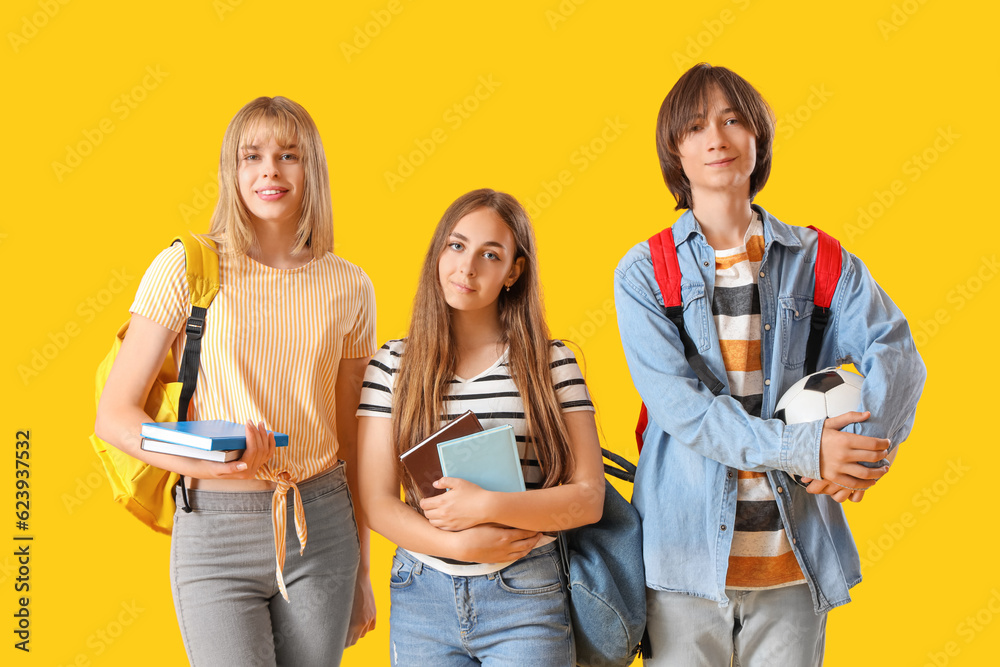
point(376, 390)
point(567, 380)
point(871, 332)
point(361, 341)
point(163, 294)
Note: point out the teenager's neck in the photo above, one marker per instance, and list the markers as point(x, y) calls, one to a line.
point(274, 246)
point(724, 220)
point(477, 336)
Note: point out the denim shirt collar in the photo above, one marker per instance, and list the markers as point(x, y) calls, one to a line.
point(687, 225)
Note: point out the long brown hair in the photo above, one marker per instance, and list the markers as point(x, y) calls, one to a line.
point(429, 358)
point(289, 124)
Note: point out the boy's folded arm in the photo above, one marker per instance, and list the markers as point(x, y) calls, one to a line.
point(869, 330)
point(717, 427)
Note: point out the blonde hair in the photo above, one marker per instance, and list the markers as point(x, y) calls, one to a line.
point(428, 362)
point(288, 123)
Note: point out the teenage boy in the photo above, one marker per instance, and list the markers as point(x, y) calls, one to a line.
point(742, 563)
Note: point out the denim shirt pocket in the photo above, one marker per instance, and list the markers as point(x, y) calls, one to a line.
point(796, 316)
point(696, 314)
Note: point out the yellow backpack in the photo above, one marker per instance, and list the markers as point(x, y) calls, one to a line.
point(144, 490)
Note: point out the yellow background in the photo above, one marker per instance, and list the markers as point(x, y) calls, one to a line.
point(142, 92)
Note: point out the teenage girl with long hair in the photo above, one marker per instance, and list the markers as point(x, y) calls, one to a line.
point(476, 578)
point(285, 345)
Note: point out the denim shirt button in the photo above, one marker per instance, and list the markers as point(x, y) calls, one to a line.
point(767, 383)
point(780, 490)
point(706, 264)
point(729, 474)
point(761, 274)
point(767, 327)
point(723, 526)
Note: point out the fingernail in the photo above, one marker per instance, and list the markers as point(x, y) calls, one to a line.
point(241, 466)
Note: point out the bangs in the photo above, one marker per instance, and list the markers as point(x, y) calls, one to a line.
point(270, 122)
point(690, 101)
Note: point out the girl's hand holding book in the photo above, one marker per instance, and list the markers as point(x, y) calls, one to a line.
point(260, 449)
point(464, 505)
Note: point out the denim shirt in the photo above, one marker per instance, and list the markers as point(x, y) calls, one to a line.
point(695, 442)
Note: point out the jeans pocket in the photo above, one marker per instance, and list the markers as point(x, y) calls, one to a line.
point(796, 318)
point(532, 575)
point(402, 572)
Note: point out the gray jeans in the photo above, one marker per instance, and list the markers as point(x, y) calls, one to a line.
point(222, 572)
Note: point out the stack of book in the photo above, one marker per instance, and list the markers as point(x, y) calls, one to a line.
point(462, 449)
point(212, 440)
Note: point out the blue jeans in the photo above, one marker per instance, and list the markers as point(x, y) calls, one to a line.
point(517, 616)
point(225, 591)
point(756, 629)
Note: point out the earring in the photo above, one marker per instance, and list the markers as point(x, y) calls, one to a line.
point(508, 288)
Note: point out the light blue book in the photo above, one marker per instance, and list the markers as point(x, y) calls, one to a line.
point(488, 458)
point(211, 434)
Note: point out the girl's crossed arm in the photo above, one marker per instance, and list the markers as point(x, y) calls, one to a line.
point(392, 518)
point(578, 502)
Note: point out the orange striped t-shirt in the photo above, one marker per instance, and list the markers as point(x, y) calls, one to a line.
point(760, 556)
point(271, 350)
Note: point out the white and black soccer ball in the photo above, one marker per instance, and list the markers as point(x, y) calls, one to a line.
point(826, 393)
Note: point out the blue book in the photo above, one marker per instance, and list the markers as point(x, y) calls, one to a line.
point(488, 458)
point(210, 435)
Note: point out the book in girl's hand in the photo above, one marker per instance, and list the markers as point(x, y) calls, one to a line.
point(488, 459)
point(221, 456)
point(209, 435)
point(422, 460)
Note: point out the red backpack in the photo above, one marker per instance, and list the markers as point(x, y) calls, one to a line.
point(668, 277)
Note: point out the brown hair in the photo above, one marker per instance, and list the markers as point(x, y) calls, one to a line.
point(428, 361)
point(689, 98)
point(289, 124)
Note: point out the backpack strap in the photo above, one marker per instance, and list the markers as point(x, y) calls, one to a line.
point(668, 277)
point(202, 262)
point(828, 266)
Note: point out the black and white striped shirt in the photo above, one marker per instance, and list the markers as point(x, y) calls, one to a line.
point(491, 395)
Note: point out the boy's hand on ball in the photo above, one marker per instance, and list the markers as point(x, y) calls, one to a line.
point(840, 453)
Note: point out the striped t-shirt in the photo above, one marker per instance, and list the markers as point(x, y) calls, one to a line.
point(271, 350)
point(493, 397)
point(760, 556)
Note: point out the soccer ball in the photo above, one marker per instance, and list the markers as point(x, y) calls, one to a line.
point(826, 393)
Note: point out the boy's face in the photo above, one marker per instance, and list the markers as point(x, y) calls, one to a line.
point(718, 152)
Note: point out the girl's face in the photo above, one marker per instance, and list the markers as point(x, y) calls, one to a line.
point(718, 152)
point(478, 261)
point(271, 179)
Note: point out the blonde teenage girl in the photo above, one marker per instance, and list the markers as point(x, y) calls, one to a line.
point(285, 345)
point(476, 577)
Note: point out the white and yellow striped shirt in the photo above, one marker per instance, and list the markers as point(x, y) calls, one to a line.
point(271, 350)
